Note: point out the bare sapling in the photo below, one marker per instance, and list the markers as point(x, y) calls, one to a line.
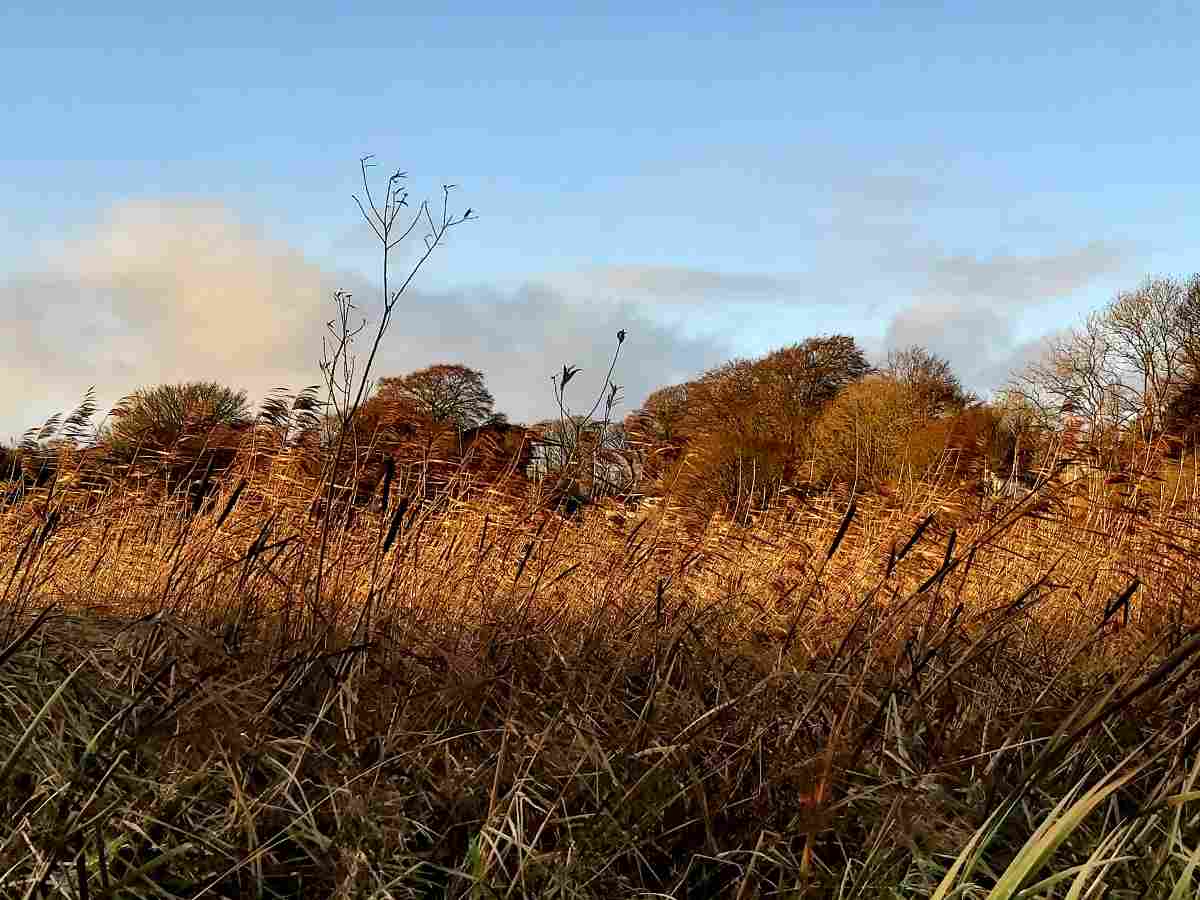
point(392, 221)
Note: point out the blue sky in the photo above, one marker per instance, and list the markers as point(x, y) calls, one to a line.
point(721, 181)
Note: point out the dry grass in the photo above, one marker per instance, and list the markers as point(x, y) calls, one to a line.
point(491, 700)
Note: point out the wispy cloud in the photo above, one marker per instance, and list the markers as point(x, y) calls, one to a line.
point(1017, 281)
point(677, 284)
point(971, 308)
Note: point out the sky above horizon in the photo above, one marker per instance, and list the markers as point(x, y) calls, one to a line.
point(177, 193)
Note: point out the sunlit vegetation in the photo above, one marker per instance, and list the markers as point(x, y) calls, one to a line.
point(770, 634)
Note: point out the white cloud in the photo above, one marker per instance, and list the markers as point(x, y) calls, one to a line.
point(1012, 280)
point(677, 284)
point(182, 290)
point(970, 309)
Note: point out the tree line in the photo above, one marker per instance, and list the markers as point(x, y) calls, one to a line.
point(806, 416)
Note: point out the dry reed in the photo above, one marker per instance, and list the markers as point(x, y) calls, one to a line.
point(491, 699)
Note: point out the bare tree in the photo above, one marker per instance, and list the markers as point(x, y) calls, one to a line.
point(1187, 326)
point(1021, 422)
point(604, 460)
point(1080, 373)
point(1150, 345)
point(930, 379)
point(1127, 364)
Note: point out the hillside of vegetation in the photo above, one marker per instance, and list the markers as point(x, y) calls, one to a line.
point(800, 627)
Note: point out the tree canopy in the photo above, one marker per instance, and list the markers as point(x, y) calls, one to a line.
point(442, 394)
point(159, 416)
point(929, 378)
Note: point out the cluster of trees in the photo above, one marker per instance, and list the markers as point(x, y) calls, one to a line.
point(811, 413)
point(731, 438)
point(814, 413)
point(176, 432)
point(1127, 380)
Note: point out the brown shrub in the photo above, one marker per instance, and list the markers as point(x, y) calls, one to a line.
point(862, 436)
point(733, 474)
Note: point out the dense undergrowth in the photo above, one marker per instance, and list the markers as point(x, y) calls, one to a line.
point(908, 696)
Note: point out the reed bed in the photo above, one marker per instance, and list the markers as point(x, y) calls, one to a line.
point(915, 695)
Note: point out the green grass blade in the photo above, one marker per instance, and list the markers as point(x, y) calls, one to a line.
point(9, 763)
